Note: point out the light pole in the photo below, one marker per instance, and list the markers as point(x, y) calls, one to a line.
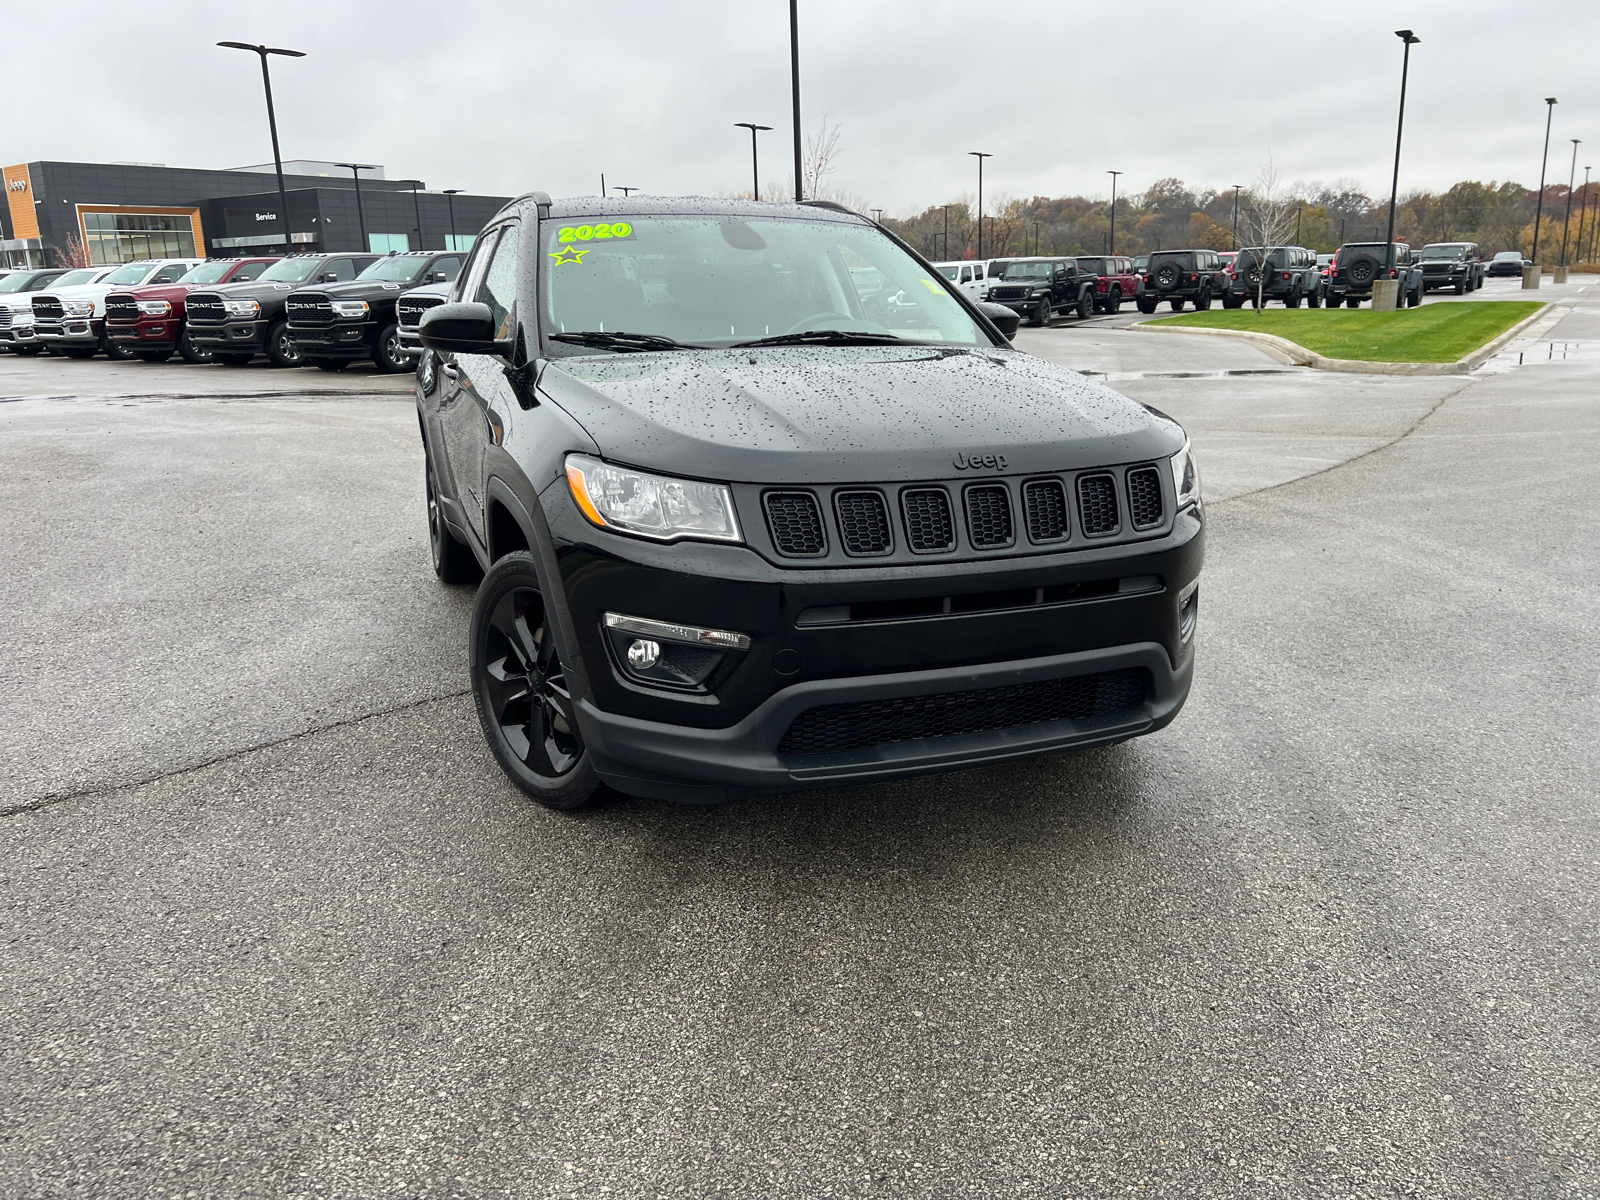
point(980, 156)
point(1583, 214)
point(1036, 239)
point(450, 199)
point(272, 124)
point(1572, 177)
point(355, 171)
point(1538, 212)
point(414, 184)
point(794, 80)
point(755, 165)
point(946, 208)
point(1236, 188)
point(1112, 249)
point(1298, 213)
point(1410, 39)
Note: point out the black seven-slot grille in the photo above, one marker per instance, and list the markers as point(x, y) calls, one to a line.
point(845, 728)
point(121, 306)
point(795, 523)
point(408, 310)
point(47, 307)
point(204, 307)
point(863, 521)
point(309, 308)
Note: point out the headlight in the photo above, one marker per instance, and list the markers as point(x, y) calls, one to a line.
point(241, 308)
point(22, 316)
point(652, 506)
point(1185, 477)
point(349, 308)
point(154, 308)
point(78, 308)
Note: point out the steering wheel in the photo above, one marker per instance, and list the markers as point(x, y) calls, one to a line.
point(836, 320)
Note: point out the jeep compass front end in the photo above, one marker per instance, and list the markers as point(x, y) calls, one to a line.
point(765, 503)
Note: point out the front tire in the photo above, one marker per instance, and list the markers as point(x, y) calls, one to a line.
point(520, 689)
point(114, 350)
point(192, 354)
point(392, 360)
point(281, 350)
point(1114, 305)
point(1041, 314)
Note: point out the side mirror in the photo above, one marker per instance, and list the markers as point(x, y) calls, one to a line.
point(465, 327)
point(1006, 320)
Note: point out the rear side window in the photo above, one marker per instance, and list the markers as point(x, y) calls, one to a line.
point(448, 267)
point(249, 271)
point(171, 273)
point(337, 270)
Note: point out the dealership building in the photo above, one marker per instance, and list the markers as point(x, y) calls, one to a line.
point(117, 212)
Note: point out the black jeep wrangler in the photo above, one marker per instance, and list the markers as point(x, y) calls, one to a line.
point(237, 321)
point(743, 529)
point(1041, 288)
point(1177, 276)
point(1454, 265)
point(333, 326)
point(1356, 266)
point(1286, 273)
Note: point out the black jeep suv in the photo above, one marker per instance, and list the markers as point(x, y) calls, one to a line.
point(1040, 288)
point(1287, 273)
point(1356, 266)
point(333, 326)
point(237, 321)
point(1180, 275)
point(764, 502)
point(1455, 265)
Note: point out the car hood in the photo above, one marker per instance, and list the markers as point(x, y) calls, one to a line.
point(360, 289)
point(253, 290)
point(835, 415)
point(161, 291)
point(86, 291)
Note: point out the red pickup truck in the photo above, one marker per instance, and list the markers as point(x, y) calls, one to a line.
point(149, 321)
point(1115, 281)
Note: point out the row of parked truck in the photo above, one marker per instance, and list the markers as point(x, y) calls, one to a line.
point(1040, 288)
point(323, 310)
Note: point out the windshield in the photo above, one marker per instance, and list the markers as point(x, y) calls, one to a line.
point(289, 270)
point(716, 281)
point(1022, 270)
point(394, 270)
point(132, 273)
point(949, 272)
point(207, 273)
point(15, 283)
point(1509, 256)
point(72, 277)
point(1443, 252)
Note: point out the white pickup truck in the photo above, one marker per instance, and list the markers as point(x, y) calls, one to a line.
point(72, 320)
point(971, 277)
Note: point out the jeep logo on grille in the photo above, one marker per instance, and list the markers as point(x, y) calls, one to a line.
point(980, 462)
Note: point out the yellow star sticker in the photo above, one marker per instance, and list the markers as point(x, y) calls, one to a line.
point(568, 254)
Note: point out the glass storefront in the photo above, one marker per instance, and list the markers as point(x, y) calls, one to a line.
point(123, 237)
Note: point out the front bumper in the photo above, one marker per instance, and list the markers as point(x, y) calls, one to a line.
point(237, 337)
point(148, 333)
point(339, 340)
point(410, 343)
point(1441, 279)
point(729, 743)
point(69, 331)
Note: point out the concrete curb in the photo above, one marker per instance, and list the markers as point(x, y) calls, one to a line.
point(1285, 351)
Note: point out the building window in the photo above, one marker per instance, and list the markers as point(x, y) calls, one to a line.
point(383, 243)
point(459, 241)
point(112, 237)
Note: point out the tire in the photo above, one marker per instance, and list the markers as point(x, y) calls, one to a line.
point(234, 360)
point(113, 350)
point(392, 360)
point(1041, 313)
point(152, 356)
point(1352, 302)
point(1167, 277)
point(1114, 305)
point(78, 351)
point(193, 354)
point(1462, 289)
point(1414, 297)
point(1314, 300)
point(1229, 300)
point(328, 364)
point(281, 350)
point(1292, 300)
point(1085, 304)
point(1362, 271)
point(1146, 305)
point(1177, 304)
point(1203, 300)
point(26, 350)
point(452, 560)
point(520, 690)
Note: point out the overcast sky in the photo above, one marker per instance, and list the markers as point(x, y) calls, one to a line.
point(502, 97)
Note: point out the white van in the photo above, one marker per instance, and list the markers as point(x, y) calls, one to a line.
point(971, 277)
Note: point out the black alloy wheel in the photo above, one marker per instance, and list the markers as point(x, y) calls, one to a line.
point(520, 688)
point(281, 349)
point(452, 561)
point(1041, 312)
point(193, 354)
point(387, 352)
point(1362, 271)
point(1114, 305)
point(1085, 304)
point(113, 349)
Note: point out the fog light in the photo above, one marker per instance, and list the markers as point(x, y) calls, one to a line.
point(643, 655)
point(667, 654)
point(1188, 611)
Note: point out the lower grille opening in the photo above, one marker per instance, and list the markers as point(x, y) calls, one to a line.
point(924, 607)
point(978, 601)
point(843, 728)
point(895, 610)
point(1081, 591)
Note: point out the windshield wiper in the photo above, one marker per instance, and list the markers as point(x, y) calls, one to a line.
point(619, 341)
point(828, 337)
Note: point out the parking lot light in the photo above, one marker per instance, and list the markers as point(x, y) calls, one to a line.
point(1544, 161)
point(1236, 188)
point(980, 156)
point(272, 123)
point(755, 163)
point(1410, 39)
point(1112, 248)
point(1572, 177)
point(450, 199)
point(355, 170)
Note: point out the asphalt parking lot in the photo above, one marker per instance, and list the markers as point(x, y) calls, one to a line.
point(276, 925)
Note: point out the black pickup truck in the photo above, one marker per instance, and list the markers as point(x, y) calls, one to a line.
point(333, 326)
point(238, 321)
point(1041, 288)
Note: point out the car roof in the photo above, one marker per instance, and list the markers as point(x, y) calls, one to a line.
point(683, 206)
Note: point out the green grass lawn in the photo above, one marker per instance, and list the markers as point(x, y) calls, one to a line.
point(1432, 333)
